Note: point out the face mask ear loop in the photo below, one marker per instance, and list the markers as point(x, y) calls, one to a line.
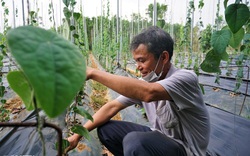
point(162, 67)
point(157, 64)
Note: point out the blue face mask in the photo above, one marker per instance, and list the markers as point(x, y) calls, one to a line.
point(152, 76)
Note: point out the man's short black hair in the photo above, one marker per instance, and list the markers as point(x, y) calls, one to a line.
point(156, 40)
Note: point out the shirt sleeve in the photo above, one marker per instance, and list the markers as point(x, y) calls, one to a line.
point(127, 101)
point(184, 89)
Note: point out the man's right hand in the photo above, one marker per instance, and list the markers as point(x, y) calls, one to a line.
point(73, 141)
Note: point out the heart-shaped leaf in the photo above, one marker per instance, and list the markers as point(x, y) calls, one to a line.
point(67, 12)
point(211, 62)
point(220, 40)
point(66, 2)
point(21, 86)
point(76, 15)
point(53, 66)
point(237, 38)
point(236, 16)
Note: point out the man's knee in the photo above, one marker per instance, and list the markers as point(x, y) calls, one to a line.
point(104, 128)
point(102, 131)
point(133, 144)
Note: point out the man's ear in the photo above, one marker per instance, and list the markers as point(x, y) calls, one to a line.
point(165, 56)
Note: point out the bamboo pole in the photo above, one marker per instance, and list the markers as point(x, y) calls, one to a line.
point(14, 18)
point(117, 32)
point(155, 14)
point(121, 31)
point(23, 12)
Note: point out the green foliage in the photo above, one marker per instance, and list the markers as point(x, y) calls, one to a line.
point(2, 89)
point(69, 2)
point(211, 62)
point(220, 40)
point(65, 144)
point(19, 83)
point(83, 112)
point(236, 38)
point(191, 9)
point(161, 10)
point(4, 114)
point(201, 4)
point(54, 67)
point(205, 39)
point(237, 17)
point(67, 12)
point(202, 88)
point(79, 129)
point(33, 18)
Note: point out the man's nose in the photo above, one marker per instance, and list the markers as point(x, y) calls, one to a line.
point(138, 67)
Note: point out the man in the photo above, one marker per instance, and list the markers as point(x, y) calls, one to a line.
point(171, 97)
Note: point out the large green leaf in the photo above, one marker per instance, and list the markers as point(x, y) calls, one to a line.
point(81, 131)
point(211, 63)
point(237, 38)
point(220, 40)
point(236, 16)
point(21, 86)
point(54, 67)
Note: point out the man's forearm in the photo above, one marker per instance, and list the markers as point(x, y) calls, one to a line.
point(126, 86)
point(104, 114)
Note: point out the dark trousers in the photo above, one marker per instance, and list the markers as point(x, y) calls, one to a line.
point(129, 139)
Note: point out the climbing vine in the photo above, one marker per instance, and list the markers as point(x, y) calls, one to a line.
point(234, 35)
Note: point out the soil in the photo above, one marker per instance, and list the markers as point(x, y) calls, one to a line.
point(14, 105)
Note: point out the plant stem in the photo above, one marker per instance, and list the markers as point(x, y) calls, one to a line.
point(40, 123)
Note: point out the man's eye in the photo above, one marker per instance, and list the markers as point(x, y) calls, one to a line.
point(141, 60)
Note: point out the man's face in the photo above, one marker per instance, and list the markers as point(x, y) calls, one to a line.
point(145, 60)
